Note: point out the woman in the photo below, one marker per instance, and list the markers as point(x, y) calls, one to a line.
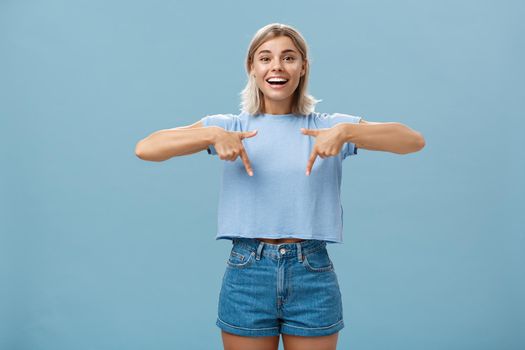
point(280, 204)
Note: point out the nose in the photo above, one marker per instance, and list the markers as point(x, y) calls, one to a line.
point(277, 65)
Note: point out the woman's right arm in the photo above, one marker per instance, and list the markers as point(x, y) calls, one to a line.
point(165, 144)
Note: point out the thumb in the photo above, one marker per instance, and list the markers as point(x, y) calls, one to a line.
point(248, 134)
point(311, 132)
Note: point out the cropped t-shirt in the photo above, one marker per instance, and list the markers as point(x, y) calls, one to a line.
point(280, 200)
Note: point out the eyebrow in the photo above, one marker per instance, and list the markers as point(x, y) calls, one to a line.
point(284, 51)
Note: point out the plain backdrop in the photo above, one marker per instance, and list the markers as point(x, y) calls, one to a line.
point(100, 250)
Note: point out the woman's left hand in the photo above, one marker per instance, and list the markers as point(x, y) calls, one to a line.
point(328, 143)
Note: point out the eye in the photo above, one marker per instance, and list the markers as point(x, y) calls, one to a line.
point(263, 59)
point(291, 58)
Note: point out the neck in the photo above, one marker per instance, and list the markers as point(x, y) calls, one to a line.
point(278, 107)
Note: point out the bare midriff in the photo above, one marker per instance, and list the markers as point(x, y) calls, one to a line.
point(280, 240)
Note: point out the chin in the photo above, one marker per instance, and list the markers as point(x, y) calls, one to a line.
point(277, 96)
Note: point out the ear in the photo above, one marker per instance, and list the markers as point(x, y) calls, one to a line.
point(303, 70)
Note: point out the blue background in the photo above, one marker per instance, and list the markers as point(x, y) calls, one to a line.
point(101, 250)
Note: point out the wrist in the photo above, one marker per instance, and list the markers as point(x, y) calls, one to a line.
point(347, 131)
point(213, 133)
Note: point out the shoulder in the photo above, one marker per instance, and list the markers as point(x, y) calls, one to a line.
point(327, 120)
point(220, 116)
point(226, 121)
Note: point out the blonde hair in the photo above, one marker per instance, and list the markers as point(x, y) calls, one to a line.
point(252, 98)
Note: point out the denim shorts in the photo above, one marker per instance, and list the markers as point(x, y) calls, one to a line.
point(288, 288)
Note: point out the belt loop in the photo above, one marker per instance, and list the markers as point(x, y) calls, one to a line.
point(299, 252)
point(259, 249)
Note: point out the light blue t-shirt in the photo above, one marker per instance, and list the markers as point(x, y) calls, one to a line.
point(280, 200)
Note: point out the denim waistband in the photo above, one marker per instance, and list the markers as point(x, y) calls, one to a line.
point(282, 249)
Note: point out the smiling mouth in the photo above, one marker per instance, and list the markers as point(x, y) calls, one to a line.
point(277, 82)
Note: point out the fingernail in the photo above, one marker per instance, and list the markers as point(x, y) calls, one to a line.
point(251, 173)
point(307, 172)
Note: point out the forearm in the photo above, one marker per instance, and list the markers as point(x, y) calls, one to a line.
point(165, 144)
point(390, 137)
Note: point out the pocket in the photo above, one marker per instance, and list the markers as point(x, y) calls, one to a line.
point(318, 261)
point(240, 257)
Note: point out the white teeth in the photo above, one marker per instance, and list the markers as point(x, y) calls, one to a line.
point(276, 80)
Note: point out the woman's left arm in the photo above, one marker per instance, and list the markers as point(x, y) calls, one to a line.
point(390, 137)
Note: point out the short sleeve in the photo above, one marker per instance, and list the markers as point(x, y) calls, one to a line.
point(327, 120)
point(229, 122)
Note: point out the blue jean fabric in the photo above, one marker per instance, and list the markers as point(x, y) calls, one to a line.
point(289, 288)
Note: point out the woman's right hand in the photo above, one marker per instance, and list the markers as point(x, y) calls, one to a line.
point(228, 146)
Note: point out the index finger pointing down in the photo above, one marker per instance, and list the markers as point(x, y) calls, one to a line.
point(246, 162)
point(311, 161)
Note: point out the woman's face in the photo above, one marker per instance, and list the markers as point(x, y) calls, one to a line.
point(278, 57)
